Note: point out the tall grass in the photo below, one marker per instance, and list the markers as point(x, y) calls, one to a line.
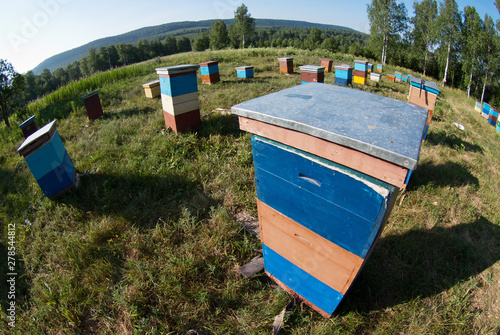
point(147, 243)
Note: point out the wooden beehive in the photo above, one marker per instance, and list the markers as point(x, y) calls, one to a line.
point(423, 93)
point(48, 161)
point(370, 67)
point(326, 181)
point(478, 107)
point(360, 71)
point(493, 117)
point(28, 126)
point(399, 76)
point(343, 75)
point(244, 72)
point(486, 110)
point(152, 89)
point(312, 74)
point(380, 68)
point(209, 72)
point(391, 77)
point(179, 97)
point(405, 77)
point(286, 65)
point(327, 64)
point(375, 76)
point(93, 105)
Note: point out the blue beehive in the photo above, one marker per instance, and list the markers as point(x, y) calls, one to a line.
point(179, 97)
point(327, 172)
point(343, 75)
point(48, 160)
point(486, 110)
point(244, 71)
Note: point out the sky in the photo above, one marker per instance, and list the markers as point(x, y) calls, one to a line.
point(34, 30)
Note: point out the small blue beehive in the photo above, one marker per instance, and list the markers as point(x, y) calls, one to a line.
point(343, 75)
point(486, 110)
point(244, 72)
point(48, 160)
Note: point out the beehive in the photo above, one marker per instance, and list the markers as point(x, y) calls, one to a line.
point(326, 181)
point(486, 110)
point(493, 117)
point(423, 93)
point(286, 65)
point(370, 67)
point(477, 107)
point(360, 71)
point(312, 74)
point(391, 77)
point(210, 72)
point(48, 161)
point(380, 68)
point(28, 126)
point(375, 76)
point(93, 105)
point(327, 64)
point(244, 71)
point(152, 89)
point(343, 75)
point(399, 76)
point(179, 97)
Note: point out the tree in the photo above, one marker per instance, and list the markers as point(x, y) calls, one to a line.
point(183, 44)
point(11, 84)
point(490, 46)
point(219, 38)
point(424, 34)
point(201, 43)
point(471, 55)
point(387, 21)
point(449, 21)
point(314, 39)
point(244, 23)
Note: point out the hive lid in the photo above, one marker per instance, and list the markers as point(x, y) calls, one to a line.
point(90, 94)
point(210, 62)
point(344, 67)
point(432, 85)
point(27, 121)
point(361, 61)
point(177, 69)
point(312, 68)
point(151, 83)
point(245, 67)
point(37, 138)
point(285, 58)
point(389, 129)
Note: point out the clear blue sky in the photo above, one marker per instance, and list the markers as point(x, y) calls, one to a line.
point(33, 30)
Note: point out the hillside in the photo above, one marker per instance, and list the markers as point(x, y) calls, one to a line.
point(148, 242)
point(160, 32)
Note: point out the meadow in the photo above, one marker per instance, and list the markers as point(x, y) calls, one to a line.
point(147, 243)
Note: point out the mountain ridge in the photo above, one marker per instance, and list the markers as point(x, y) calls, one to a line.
point(161, 31)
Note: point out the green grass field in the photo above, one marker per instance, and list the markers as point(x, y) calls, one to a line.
point(148, 243)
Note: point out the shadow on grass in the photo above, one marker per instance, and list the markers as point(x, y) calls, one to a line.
point(128, 112)
point(142, 200)
point(423, 263)
point(222, 124)
point(448, 174)
point(440, 137)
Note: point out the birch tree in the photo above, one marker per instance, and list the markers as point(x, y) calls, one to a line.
point(471, 54)
point(388, 20)
point(424, 28)
point(244, 23)
point(449, 21)
point(490, 47)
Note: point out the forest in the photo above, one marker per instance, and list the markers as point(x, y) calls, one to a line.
point(456, 47)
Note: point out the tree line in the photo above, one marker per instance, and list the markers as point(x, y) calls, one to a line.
point(458, 48)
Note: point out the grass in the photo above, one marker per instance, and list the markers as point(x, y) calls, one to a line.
point(147, 243)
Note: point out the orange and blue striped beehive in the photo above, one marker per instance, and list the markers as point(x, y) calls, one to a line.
point(48, 161)
point(210, 72)
point(326, 182)
point(179, 97)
